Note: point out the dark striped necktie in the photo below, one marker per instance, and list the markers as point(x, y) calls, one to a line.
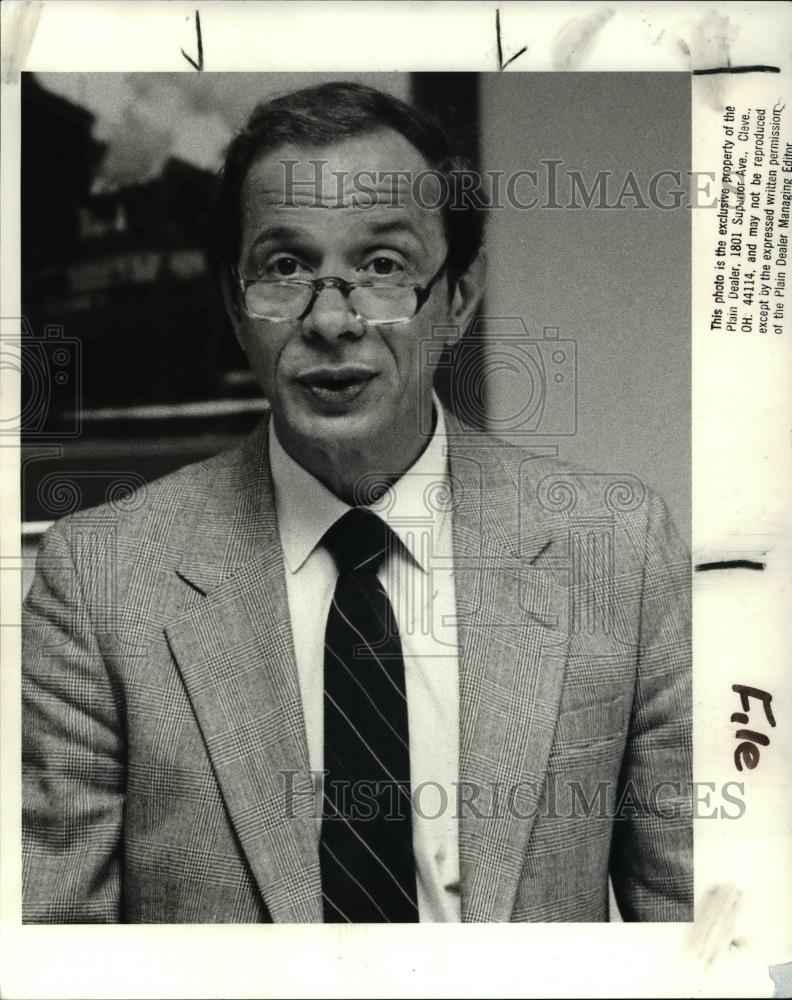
point(365, 850)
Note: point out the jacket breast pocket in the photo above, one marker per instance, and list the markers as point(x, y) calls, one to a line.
point(585, 727)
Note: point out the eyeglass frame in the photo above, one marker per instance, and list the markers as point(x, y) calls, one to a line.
point(317, 285)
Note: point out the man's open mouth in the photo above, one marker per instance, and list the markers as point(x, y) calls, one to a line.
point(336, 386)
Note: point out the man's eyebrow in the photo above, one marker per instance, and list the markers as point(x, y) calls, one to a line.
point(386, 227)
point(302, 237)
point(280, 234)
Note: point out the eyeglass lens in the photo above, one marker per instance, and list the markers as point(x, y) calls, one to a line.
point(382, 303)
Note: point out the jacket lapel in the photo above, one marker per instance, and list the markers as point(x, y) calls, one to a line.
point(513, 641)
point(235, 654)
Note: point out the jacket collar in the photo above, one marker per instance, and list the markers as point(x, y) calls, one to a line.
point(239, 519)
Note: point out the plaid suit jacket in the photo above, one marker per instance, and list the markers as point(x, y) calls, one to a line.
point(164, 752)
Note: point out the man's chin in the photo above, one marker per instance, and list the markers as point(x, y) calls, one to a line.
point(354, 428)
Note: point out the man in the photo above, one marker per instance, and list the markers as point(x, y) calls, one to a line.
point(356, 669)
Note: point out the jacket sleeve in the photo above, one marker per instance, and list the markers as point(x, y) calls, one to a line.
point(652, 846)
point(72, 752)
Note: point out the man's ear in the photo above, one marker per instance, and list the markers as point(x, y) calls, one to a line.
point(232, 305)
point(467, 294)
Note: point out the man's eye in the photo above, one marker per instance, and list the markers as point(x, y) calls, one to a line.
point(383, 267)
point(284, 267)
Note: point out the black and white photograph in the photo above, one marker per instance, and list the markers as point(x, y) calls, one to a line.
point(364, 423)
point(384, 656)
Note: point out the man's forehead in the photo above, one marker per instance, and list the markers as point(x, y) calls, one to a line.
point(378, 169)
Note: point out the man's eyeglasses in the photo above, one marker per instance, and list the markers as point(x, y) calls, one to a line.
point(373, 302)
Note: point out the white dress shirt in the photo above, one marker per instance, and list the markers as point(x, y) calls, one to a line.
point(419, 583)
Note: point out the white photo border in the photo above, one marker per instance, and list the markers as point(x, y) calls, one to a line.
point(741, 488)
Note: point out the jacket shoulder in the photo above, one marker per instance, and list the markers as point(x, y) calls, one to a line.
point(167, 505)
point(553, 486)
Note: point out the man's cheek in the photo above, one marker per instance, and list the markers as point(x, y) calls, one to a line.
point(265, 362)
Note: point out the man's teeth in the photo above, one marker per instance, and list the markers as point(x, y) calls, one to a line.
point(338, 383)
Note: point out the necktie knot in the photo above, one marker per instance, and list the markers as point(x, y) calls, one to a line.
point(358, 541)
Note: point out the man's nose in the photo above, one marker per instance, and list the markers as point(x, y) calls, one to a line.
point(332, 317)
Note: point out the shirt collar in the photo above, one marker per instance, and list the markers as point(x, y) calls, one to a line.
point(416, 503)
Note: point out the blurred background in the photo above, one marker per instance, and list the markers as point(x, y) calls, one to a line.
point(130, 368)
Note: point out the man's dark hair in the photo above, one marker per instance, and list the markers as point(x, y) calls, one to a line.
point(331, 112)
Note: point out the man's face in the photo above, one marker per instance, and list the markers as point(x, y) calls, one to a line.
point(333, 382)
